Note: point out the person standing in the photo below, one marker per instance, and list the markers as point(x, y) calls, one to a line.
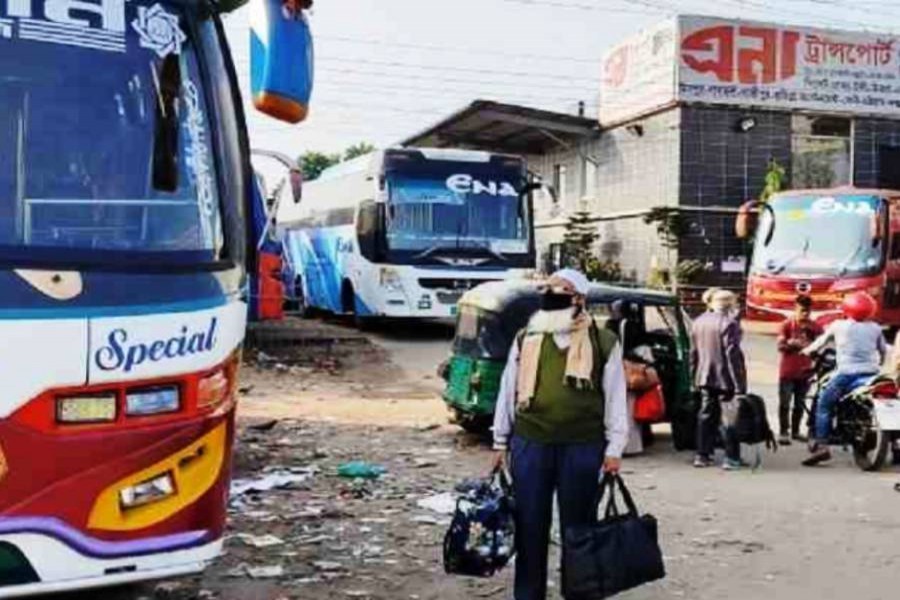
point(561, 417)
point(720, 373)
point(861, 350)
point(794, 369)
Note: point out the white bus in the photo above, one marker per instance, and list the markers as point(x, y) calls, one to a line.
point(404, 232)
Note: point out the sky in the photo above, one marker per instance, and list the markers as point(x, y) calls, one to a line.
point(387, 69)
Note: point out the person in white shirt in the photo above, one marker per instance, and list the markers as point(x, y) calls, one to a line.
point(861, 350)
point(561, 417)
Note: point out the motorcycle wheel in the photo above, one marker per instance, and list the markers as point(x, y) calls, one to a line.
point(871, 453)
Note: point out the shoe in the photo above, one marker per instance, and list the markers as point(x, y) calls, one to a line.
point(799, 438)
point(733, 465)
point(784, 440)
point(702, 462)
point(820, 454)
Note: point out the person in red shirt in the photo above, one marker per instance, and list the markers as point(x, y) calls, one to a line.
point(797, 332)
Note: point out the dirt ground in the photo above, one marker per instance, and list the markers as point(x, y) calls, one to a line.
point(781, 532)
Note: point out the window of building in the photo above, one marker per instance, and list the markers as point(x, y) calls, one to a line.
point(822, 152)
point(559, 182)
point(588, 178)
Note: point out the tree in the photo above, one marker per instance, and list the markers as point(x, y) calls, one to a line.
point(671, 226)
point(313, 163)
point(775, 176)
point(579, 240)
point(360, 149)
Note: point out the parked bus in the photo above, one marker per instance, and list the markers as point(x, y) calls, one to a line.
point(404, 232)
point(824, 244)
point(125, 183)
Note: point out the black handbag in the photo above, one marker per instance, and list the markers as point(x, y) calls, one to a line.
point(615, 554)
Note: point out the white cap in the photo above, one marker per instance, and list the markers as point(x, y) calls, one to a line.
point(576, 278)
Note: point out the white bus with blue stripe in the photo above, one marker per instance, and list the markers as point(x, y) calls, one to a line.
point(404, 232)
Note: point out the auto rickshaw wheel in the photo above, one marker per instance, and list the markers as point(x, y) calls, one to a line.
point(475, 424)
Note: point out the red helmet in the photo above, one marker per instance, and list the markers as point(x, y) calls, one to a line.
point(859, 306)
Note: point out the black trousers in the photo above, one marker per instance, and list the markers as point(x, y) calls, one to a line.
point(790, 418)
point(718, 413)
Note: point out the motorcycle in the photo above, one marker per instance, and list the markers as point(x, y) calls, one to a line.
point(867, 420)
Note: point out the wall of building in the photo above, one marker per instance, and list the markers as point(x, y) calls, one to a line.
point(721, 168)
point(870, 137)
point(631, 170)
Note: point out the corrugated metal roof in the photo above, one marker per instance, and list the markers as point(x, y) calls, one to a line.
point(498, 127)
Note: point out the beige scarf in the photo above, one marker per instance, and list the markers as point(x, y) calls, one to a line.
point(579, 361)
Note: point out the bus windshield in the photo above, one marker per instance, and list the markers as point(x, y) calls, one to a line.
point(820, 235)
point(107, 151)
point(449, 205)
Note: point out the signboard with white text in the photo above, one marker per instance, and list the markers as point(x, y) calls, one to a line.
point(762, 64)
point(723, 61)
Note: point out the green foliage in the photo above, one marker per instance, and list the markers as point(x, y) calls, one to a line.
point(688, 271)
point(579, 239)
point(775, 180)
point(312, 163)
point(357, 150)
point(670, 225)
point(598, 269)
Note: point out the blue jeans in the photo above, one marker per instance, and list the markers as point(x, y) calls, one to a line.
point(837, 388)
point(539, 470)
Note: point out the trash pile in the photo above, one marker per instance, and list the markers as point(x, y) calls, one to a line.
point(324, 511)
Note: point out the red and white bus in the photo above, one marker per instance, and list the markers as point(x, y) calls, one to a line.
point(824, 244)
point(125, 185)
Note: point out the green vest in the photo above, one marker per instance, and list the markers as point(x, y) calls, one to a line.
point(560, 413)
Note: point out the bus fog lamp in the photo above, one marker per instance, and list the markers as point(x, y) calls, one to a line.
point(86, 409)
point(153, 490)
point(152, 402)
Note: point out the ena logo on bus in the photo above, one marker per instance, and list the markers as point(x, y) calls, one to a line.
point(466, 184)
point(831, 205)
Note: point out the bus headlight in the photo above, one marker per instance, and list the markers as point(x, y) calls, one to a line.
point(152, 401)
point(86, 409)
point(153, 490)
point(390, 280)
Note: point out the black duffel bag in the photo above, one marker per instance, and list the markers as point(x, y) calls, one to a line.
point(615, 554)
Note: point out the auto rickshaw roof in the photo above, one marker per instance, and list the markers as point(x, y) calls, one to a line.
point(498, 296)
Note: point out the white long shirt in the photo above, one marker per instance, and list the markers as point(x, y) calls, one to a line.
point(615, 412)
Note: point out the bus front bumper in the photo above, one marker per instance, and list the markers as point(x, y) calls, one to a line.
point(57, 567)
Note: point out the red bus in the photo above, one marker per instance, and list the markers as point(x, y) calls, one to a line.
point(824, 244)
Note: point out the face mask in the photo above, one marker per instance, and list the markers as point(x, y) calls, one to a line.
point(554, 301)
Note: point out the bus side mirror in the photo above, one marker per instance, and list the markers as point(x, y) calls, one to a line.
point(281, 58)
point(369, 228)
point(296, 178)
point(747, 220)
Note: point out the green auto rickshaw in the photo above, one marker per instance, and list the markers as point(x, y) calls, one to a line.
point(490, 315)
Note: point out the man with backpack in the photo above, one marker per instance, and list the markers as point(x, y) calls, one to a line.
point(720, 374)
point(561, 416)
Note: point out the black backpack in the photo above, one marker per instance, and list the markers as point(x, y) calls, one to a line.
point(752, 424)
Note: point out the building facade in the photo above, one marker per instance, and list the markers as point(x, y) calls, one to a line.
point(695, 114)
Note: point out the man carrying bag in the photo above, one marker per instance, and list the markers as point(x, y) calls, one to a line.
point(561, 415)
point(617, 553)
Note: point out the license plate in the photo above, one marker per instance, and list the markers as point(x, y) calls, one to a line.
point(888, 414)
